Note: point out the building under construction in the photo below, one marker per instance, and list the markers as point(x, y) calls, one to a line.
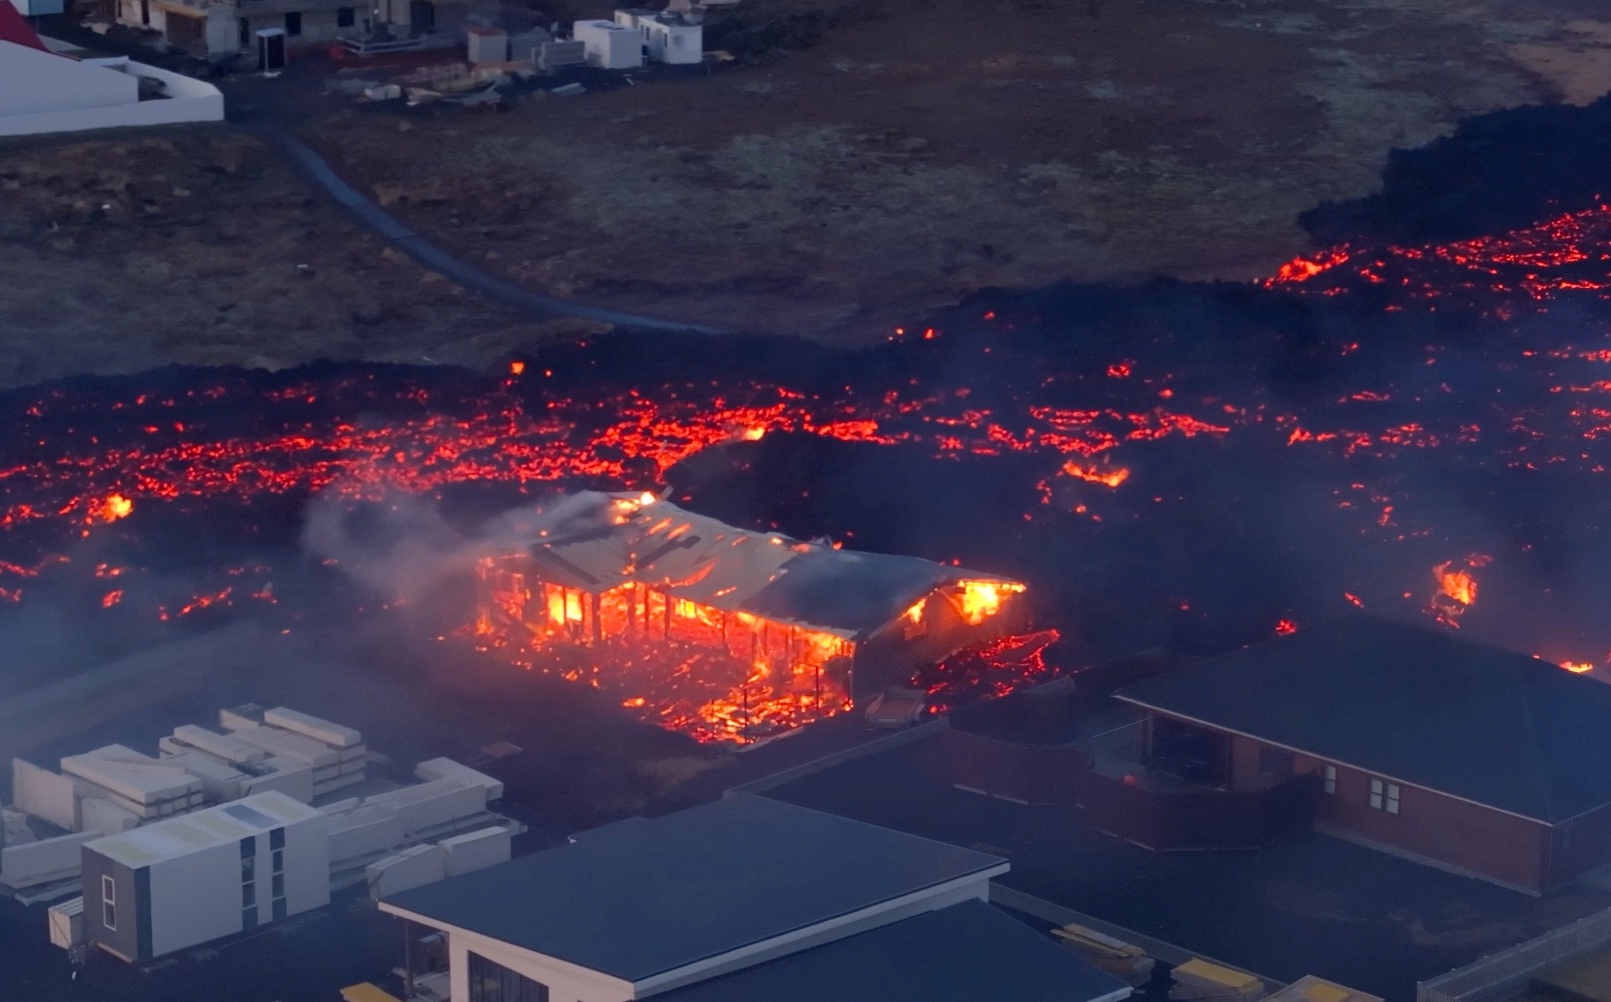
point(811, 623)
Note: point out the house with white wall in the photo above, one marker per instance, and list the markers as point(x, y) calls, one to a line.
point(667, 38)
point(188, 880)
point(41, 91)
point(743, 899)
point(608, 45)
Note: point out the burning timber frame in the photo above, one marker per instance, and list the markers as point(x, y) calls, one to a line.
point(808, 617)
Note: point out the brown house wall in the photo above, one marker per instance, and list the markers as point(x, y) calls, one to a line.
point(1579, 845)
point(1458, 834)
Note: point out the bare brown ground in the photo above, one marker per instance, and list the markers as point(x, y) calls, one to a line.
point(915, 153)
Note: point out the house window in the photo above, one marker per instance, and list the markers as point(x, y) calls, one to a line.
point(1329, 776)
point(109, 903)
point(1384, 796)
point(491, 982)
point(293, 23)
point(344, 17)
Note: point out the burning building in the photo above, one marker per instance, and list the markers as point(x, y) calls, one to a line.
point(746, 631)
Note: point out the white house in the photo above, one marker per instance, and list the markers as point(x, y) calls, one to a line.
point(608, 45)
point(668, 38)
point(738, 900)
point(44, 92)
point(198, 877)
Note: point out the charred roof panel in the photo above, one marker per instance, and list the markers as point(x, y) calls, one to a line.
point(1490, 726)
point(848, 591)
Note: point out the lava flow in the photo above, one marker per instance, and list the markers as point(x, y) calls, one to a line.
point(1153, 483)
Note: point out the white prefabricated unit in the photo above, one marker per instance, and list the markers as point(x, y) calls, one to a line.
point(411, 868)
point(219, 746)
point(67, 924)
point(668, 38)
point(146, 787)
point(333, 768)
point(608, 45)
point(188, 880)
point(477, 850)
point(553, 55)
point(44, 861)
point(361, 831)
point(446, 768)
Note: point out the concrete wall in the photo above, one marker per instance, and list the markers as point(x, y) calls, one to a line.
point(192, 101)
point(411, 868)
point(476, 850)
point(37, 83)
point(45, 794)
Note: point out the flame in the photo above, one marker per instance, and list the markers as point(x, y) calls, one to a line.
point(754, 433)
point(516, 368)
point(1092, 473)
point(1457, 585)
point(983, 599)
point(1578, 667)
point(915, 613)
point(114, 507)
point(111, 598)
point(1285, 627)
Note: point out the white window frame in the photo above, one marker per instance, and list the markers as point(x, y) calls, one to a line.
point(108, 902)
point(1328, 775)
point(1384, 796)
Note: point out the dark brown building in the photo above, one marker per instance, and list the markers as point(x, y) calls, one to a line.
point(1473, 759)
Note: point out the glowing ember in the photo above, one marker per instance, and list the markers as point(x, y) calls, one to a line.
point(1578, 667)
point(1285, 627)
point(1092, 473)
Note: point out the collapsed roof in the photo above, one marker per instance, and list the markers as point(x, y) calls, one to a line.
point(596, 541)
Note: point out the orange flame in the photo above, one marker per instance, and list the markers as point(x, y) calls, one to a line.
point(1092, 473)
point(115, 506)
point(983, 599)
point(1578, 667)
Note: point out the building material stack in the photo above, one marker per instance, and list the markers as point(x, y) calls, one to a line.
point(452, 799)
point(1118, 958)
point(335, 755)
point(1198, 980)
point(140, 785)
point(231, 769)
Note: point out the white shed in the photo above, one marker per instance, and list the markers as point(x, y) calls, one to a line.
point(610, 46)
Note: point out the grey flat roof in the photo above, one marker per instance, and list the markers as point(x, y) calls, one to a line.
point(653, 897)
point(969, 951)
point(1422, 706)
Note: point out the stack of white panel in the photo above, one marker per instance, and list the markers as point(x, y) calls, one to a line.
point(219, 746)
point(105, 817)
point(45, 861)
point(361, 830)
point(67, 924)
point(446, 768)
point(434, 805)
point(335, 754)
point(293, 779)
point(416, 867)
point(145, 787)
point(45, 794)
point(476, 850)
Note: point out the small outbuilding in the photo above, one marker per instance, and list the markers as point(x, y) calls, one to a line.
point(608, 45)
